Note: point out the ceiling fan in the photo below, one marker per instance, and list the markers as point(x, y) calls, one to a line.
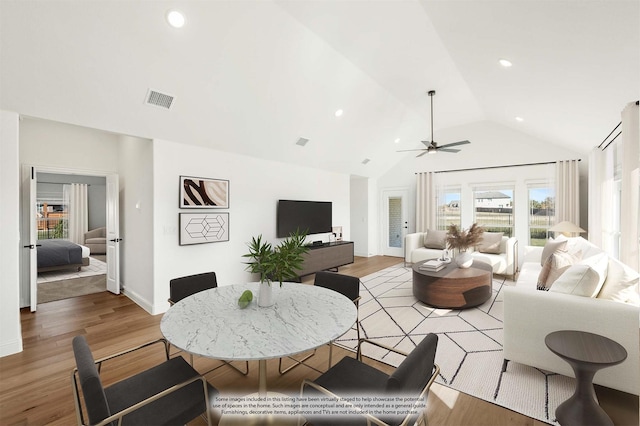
point(432, 147)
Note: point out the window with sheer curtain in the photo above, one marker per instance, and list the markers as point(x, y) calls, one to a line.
point(449, 207)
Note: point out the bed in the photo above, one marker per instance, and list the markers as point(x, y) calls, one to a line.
point(55, 254)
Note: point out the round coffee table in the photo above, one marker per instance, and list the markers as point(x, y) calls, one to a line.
point(586, 353)
point(453, 287)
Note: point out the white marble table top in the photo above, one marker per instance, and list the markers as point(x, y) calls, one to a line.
point(303, 317)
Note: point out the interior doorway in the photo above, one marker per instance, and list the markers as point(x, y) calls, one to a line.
point(42, 220)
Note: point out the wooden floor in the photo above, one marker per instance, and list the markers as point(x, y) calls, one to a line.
point(35, 385)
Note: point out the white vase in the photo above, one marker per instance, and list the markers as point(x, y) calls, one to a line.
point(265, 294)
point(464, 259)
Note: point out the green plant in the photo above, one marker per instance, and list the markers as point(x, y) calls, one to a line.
point(276, 263)
point(462, 239)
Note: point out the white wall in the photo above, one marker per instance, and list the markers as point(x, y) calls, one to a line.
point(255, 185)
point(360, 215)
point(10, 330)
point(136, 219)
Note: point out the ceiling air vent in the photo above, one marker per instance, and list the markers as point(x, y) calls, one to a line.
point(365, 161)
point(302, 141)
point(159, 100)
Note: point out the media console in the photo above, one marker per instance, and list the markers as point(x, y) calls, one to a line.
point(325, 256)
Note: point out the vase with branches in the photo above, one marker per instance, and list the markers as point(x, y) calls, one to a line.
point(461, 240)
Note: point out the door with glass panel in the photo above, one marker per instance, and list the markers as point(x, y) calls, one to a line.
point(395, 221)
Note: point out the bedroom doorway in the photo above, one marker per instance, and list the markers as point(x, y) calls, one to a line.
point(105, 263)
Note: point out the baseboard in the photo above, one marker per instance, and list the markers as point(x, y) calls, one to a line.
point(140, 301)
point(10, 347)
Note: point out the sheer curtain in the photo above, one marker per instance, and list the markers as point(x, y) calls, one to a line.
point(425, 201)
point(567, 192)
point(602, 229)
point(630, 199)
point(75, 197)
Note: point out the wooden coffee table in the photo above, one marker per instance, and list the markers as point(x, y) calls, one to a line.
point(453, 287)
point(586, 353)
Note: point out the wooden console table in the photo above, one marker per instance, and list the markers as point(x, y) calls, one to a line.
point(327, 256)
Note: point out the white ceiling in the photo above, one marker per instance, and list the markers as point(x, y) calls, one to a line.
point(254, 76)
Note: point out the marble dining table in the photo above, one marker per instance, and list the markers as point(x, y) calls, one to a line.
point(303, 317)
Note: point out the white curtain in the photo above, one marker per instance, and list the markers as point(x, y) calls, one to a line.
point(75, 197)
point(630, 198)
point(567, 192)
point(602, 198)
point(425, 201)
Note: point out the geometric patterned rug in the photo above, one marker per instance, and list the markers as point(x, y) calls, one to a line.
point(469, 344)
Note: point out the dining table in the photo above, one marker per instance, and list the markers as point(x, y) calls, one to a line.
point(212, 324)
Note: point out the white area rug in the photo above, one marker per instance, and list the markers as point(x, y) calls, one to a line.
point(95, 267)
point(469, 344)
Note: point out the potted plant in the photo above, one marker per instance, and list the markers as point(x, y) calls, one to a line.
point(462, 239)
point(275, 263)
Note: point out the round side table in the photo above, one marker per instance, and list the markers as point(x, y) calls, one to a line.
point(586, 353)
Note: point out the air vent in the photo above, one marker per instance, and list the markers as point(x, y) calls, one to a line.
point(159, 100)
point(365, 161)
point(302, 141)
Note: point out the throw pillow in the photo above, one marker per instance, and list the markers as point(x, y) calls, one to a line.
point(551, 247)
point(490, 242)
point(584, 278)
point(435, 239)
point(554, 266)
point(621, 284)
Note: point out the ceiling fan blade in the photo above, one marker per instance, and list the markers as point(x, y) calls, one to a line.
point(407, 150)
point(448, 150)
point(420, 155)
point(453, 144)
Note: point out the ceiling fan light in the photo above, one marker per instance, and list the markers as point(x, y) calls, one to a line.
point(433, 151)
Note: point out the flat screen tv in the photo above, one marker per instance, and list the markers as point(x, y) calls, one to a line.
point(311, 216)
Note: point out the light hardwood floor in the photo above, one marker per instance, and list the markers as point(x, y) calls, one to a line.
point(35, 385)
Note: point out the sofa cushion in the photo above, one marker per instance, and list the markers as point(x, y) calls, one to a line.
point(554, 266)
point(621, 284)
point(435, 239)
point(584, 278)
point(551, 246)
point(490, 242)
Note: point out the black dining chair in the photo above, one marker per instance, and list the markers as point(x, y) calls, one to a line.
point(346, 285)
point(350, 377)
point(182, 287)
point(167, 394)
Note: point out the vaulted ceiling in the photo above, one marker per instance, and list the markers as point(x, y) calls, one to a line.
point(253, 77)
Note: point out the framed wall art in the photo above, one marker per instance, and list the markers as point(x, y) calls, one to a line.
point(204, 227)
point(203, 193)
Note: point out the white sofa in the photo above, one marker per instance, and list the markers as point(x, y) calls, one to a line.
point(531, 314)
point(503, 263)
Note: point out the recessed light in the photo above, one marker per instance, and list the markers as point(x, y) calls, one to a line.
point(339, 113)
point(505, 63)
point(397, 140)
point(175, 19)
point(519, 119)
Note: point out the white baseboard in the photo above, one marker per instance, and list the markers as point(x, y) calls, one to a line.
point(11, 347)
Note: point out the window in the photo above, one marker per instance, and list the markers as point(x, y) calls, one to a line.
point(493, 209)
point(449, 209)
point(51, 219)
point(541, 213)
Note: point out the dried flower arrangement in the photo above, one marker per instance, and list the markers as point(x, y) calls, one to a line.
point(462, 239)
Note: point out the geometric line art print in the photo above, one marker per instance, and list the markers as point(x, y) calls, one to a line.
point(198, 228)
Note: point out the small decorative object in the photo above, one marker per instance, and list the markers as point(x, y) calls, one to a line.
point(245, 299)
point(278, 263)
point(462, 240)
point(203, 193)
point(198, 228)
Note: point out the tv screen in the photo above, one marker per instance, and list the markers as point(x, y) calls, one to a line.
point(311, 216)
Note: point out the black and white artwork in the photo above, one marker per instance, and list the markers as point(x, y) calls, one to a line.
point(198, 228)
point(203, 193)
